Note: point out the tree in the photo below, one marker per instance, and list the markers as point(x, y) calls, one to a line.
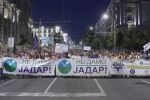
point(89, 38)
point(58, 38)
point(133, 38)
point(96, 42)
point(119, 39)
point(23, 39)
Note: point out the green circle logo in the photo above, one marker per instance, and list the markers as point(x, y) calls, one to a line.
point(141, 63)
point(10, 65)
point(64, 66)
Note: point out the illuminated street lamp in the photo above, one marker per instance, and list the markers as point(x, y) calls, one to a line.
point(105, 16)
point(31, 26)
point(91, 28)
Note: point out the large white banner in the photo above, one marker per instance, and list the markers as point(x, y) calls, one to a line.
point(75, 67)
point(28, 66)
point(82, 67)
point(137, 67)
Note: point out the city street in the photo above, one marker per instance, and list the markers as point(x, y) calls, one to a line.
point(74, 49)
point(75, 89)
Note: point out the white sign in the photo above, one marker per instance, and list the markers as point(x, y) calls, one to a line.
point(88, 48)
point(64, 48)
point(11, 42)
point(6, 14)
point(28, 66)
point(146, 47)
point(60, 48)
point(82, 67)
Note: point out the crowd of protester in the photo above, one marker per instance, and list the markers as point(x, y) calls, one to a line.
point(48, 54)
point(74, 54)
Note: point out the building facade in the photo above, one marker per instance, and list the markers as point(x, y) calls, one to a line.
point(48, 36)
point(125, 14)
point(15, 18)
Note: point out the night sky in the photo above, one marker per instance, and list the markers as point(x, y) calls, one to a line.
point(82, 13)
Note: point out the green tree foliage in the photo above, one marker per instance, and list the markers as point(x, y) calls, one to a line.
point(119, 39)
point(23, 39)
point(30, 38)
point(91, 39)
point(58, 38)
point(96, 42)
point(26, 39)
point(133, 39)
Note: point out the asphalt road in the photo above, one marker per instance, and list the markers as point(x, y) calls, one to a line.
point(75, 89)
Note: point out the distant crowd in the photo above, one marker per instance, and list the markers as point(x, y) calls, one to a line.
point(74, 54)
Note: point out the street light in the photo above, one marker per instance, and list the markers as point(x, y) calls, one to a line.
point(31, 26)
point(91, 28)
point(105, 16)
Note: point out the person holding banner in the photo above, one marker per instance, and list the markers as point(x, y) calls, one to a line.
point(2, 77)
point(1, 73)
point(65, 55)
point(0, 67)
point(94, 55)
point(145, 55)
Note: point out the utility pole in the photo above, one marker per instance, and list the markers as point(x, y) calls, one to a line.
point(2, 22)
point(113, 29)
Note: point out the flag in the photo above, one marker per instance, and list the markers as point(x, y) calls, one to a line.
point(35, 42)
point(146, 47)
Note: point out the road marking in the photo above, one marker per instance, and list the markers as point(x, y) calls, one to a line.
point(50, 85)
point(7, 82)
point(145, 82)
point(53, 94)
point(100, 87)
